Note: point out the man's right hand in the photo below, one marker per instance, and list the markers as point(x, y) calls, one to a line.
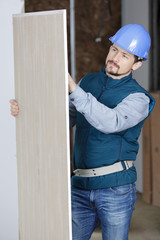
point(14, 107)
point(71, 84)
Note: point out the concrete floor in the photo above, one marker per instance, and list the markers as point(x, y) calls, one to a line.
point(145, 223)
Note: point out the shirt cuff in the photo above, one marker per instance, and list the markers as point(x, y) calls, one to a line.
point(77, 95)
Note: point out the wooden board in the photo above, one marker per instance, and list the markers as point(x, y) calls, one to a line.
point(147, 162)
point(41, 89)
point(155, 146)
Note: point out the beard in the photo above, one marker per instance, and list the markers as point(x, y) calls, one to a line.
point(112, 73)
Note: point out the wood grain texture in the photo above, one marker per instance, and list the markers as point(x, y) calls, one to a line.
point(41, 89)
point(147, 162)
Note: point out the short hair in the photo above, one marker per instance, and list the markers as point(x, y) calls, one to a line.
point(138, 59)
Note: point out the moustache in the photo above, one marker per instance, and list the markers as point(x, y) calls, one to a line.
point(109, 61)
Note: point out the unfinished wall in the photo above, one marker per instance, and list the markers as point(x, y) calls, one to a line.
point(90, 56)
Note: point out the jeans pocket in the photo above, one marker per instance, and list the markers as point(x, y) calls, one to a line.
point(120, 190)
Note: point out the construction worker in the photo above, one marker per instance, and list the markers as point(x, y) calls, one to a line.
point(108, 109)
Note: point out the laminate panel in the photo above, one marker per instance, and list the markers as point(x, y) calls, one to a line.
point(41, 89)
point(147, 162)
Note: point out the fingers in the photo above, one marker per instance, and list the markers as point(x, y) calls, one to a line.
point(14, 108)
point(69, 78)
point(71, 84)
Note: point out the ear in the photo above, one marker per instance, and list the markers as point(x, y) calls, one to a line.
point(136, 65)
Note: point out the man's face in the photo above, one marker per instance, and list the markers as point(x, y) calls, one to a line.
point(119, 62)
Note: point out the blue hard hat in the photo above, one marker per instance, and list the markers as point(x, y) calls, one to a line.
point(133, 38)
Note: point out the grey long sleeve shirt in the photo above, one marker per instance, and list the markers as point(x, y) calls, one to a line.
point(132, 110)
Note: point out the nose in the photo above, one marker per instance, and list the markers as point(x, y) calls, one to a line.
point(116, 57)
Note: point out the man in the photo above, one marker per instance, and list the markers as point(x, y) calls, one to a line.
point(109, 109)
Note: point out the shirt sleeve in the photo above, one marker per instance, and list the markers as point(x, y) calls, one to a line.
point(128, 113)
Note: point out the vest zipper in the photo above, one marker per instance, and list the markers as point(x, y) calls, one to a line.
point(104, 86)
point(120, 147)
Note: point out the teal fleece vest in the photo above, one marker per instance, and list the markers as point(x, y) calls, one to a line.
point(94, 148)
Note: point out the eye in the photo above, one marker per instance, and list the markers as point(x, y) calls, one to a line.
point(114, 49)
point(125, 56)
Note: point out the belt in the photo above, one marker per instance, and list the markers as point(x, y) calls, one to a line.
point(95, 172)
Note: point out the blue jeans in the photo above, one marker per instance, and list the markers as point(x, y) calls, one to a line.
point(112, 206)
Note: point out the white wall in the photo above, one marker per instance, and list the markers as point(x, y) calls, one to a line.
point(8, 167)
point(137, 11)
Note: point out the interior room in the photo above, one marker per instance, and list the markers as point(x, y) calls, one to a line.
point(90, 23)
